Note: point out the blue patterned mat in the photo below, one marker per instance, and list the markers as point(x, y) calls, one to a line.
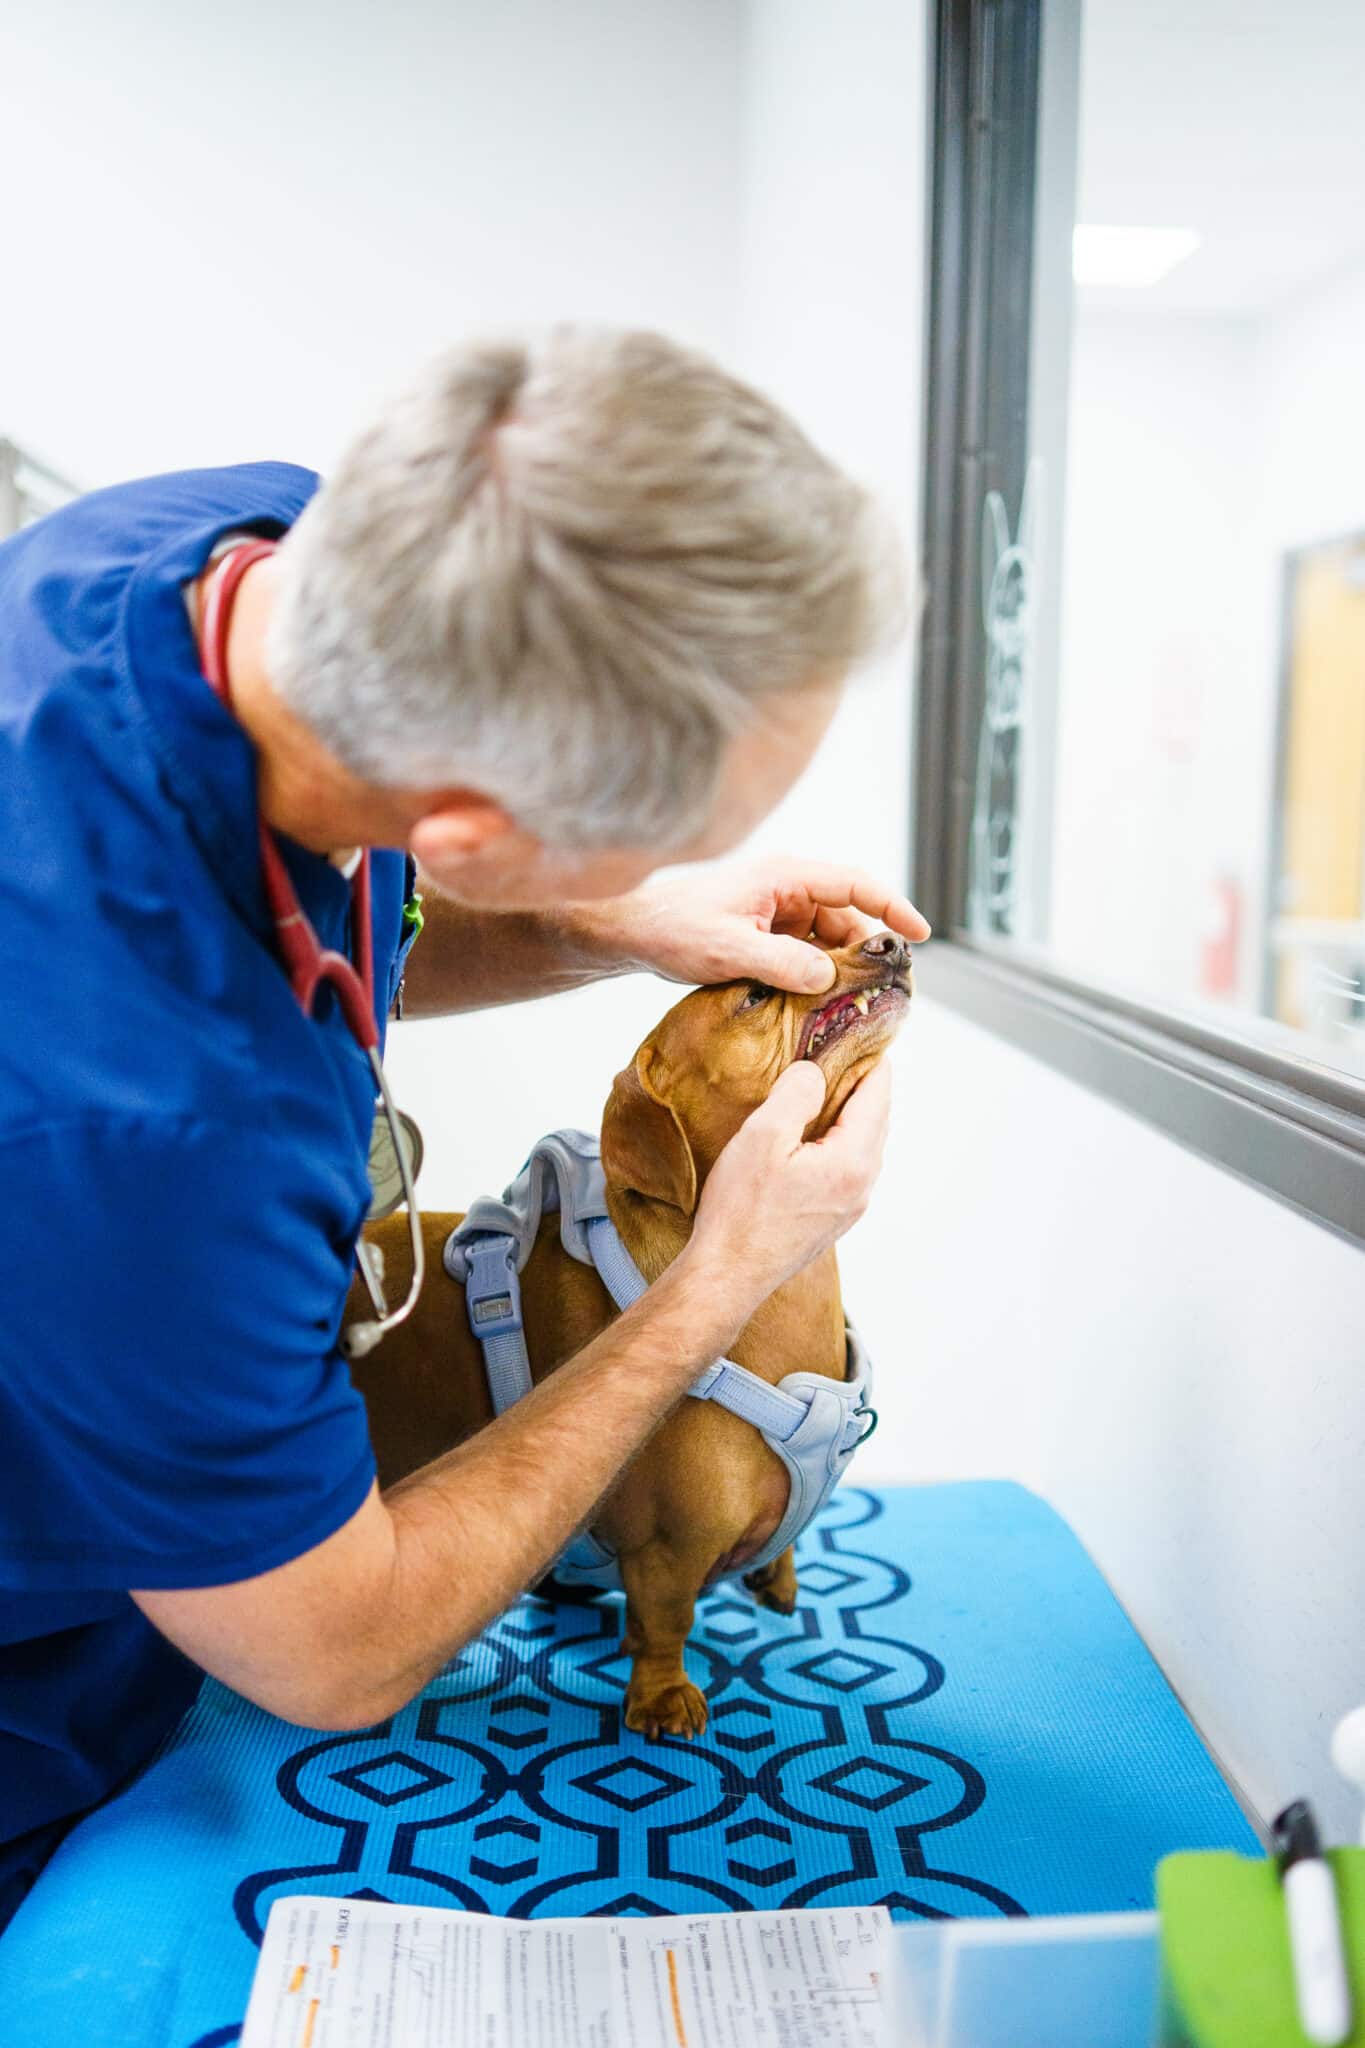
point(959, 1719)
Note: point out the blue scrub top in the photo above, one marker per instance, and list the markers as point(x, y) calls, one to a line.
point(182, 1151)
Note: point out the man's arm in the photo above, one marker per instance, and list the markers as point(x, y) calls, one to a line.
point(475, 959)
point(348, 1632)
point(726, 924)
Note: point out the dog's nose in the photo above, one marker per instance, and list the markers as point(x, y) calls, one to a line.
point(887, 949)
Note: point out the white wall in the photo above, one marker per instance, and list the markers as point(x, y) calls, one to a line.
point(830, 309)
point(227, 228)
point(1169, 1357)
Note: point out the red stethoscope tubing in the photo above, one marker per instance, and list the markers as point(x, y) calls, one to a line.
point(308, 963)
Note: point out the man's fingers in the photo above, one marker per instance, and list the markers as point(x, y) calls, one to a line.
point(784, 963)
point(841, 927)
point(794, 1100)
point(841, 888)
point(902, 916)
point(862, 1120)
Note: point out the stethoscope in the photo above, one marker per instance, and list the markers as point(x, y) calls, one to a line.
point(310, 965)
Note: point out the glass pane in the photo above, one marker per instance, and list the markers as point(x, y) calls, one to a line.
point(1170, 784)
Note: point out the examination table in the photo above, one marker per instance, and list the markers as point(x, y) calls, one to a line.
point(959, 1719)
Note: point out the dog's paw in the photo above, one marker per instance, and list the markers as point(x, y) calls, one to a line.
point(678, 1709)
point(775, 1588)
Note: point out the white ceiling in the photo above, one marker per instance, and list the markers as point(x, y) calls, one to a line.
point(1242, 119)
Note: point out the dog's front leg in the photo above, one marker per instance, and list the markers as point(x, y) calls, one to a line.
point(661, 1592)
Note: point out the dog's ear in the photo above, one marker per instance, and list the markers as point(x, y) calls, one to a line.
point(644, 1147)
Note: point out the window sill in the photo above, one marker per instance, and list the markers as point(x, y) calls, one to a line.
point(1288, 1126)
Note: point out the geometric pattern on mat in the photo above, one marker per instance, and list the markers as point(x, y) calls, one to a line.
point(958, 1720)
point(849, 1811)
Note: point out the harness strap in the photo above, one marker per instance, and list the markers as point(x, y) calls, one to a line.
point(729, 1386)
point(616, 1269)
point(493, 1304)
point(752, 1399)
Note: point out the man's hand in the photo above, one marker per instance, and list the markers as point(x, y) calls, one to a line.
point(772, 1201)
point(696, 925)
point(750, 921)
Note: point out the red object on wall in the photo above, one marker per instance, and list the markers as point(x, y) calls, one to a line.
point(1222, 945)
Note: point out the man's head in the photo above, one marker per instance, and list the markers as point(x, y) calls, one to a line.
point(590, 599)
point(717, 1053)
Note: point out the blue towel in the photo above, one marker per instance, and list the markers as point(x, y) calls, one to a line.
point(959, 1719)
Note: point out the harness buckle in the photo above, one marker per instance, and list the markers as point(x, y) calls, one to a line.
point(492, 1293)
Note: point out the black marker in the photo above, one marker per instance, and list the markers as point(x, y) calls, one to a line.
point(1310, 1904)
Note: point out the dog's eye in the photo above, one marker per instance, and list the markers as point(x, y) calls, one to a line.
point(758, 993)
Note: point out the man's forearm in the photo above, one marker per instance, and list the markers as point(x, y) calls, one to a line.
point(476, 1527)
point(473, 959)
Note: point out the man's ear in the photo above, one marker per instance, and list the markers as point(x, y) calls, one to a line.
point(460, 822)
point(644, 1147)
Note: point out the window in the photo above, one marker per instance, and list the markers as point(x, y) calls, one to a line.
point(1141, 729)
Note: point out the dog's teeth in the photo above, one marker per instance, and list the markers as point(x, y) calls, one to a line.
point(860, 1005)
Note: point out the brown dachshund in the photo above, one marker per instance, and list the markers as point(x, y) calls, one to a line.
point(706, 1493)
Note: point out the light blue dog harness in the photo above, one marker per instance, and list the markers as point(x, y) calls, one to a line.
point(813, 1424)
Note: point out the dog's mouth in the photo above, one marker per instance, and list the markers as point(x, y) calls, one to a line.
point(864, 1013)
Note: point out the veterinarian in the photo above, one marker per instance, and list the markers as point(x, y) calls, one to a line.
point(563, 614)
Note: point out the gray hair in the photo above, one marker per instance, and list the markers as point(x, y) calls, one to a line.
point(565, 572)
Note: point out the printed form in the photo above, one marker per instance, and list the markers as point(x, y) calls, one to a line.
point(356, 1973)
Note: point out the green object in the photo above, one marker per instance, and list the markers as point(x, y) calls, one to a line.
point(1226, 1977)
point(412, 912)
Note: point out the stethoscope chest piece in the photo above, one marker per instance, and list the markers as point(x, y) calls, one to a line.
point(388, 1190)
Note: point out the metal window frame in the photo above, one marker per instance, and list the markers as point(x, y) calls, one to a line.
point(1286, 1124)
